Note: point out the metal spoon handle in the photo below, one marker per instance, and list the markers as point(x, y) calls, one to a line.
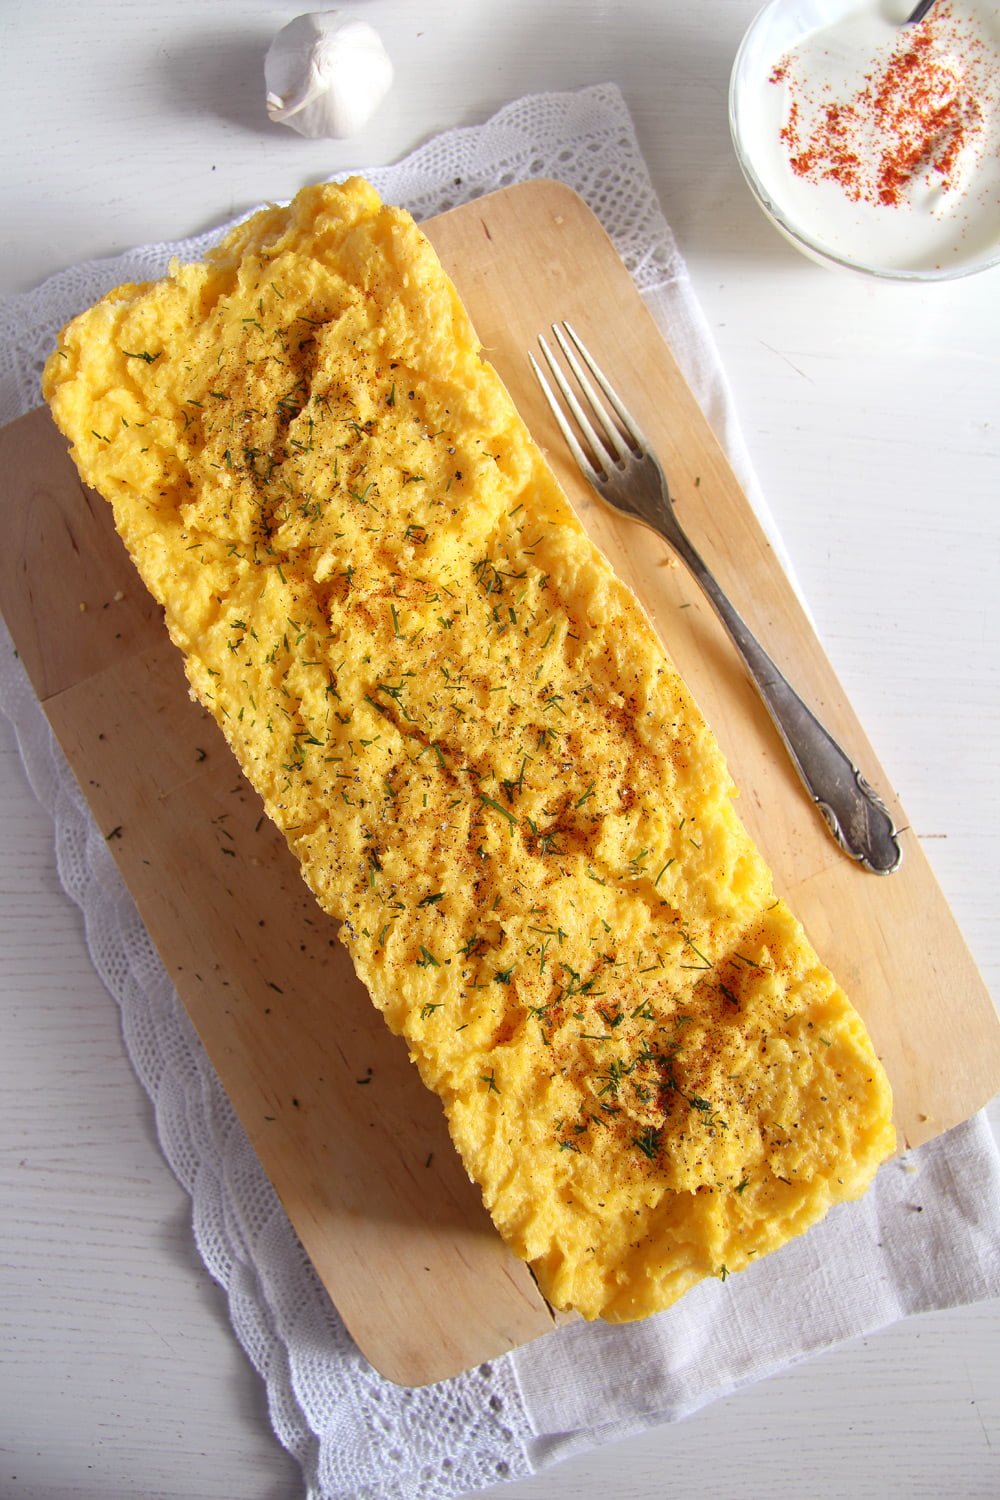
point(918, 12)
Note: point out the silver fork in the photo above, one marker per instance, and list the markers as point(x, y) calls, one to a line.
point(626, 473)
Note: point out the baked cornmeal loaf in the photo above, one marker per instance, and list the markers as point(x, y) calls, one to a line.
point(475, 745)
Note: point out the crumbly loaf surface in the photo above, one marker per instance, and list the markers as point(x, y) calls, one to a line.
point(476, 747)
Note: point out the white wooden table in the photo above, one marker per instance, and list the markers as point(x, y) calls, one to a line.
point(871, 413)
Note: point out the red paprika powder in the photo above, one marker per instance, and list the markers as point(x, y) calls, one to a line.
point(915, 113)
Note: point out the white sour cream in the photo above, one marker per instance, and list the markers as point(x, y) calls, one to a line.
point(877, 142)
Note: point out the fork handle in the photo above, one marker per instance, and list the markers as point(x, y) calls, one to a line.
point(854, 812)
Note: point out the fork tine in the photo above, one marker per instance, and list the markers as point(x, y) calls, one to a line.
point(572, 441)
point(614, 439)
point(626, 418)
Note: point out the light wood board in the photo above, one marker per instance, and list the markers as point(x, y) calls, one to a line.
point(355, 1147)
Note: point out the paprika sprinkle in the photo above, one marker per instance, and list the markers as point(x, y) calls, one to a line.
point(872, 143)
point(917, 110)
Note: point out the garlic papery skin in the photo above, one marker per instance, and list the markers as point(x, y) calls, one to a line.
point(326, 74)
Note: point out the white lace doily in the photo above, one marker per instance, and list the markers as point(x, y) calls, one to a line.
point(357, 1436)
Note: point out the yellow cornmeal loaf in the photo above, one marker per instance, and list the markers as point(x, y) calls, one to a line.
point(475, 745)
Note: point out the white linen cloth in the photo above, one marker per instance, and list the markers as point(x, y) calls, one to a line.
point(357, 1436)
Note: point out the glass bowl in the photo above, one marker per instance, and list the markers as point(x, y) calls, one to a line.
point(818, 218)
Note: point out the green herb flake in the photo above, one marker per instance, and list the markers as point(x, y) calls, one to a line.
point(497, 807)
point(648, 1142)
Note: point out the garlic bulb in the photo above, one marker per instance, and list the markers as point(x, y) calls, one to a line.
point(326, 74)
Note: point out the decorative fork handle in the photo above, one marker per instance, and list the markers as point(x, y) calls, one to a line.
point(855, 813)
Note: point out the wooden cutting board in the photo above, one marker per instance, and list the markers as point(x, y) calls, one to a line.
point(355, 1147)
